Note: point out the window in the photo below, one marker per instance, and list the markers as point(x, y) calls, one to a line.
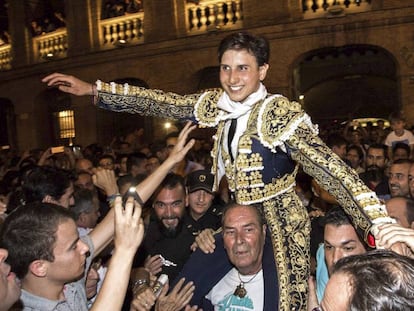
point(66, 124)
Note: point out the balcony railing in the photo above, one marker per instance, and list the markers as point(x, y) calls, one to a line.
point(51, 45)
point(5, 57)
point(210, 15)
point(330, 8)
point(127, 29)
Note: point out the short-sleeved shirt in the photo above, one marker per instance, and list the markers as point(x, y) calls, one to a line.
point(222, 294)
point(406, 138)
point(75, 293)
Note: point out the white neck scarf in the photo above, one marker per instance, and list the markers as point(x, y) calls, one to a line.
point(233, 110)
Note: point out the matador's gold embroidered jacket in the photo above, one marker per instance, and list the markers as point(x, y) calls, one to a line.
point(279, 135)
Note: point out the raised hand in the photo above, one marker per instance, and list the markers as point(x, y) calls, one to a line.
point(182, 147)
point(69, 84)
point(129, 227)
point(106, 180)
point(177, 299)
point(396, 238)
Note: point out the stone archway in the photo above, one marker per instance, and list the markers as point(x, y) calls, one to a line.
point(352, 81)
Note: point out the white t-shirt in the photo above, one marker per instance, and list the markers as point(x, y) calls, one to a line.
point(406, 138)
point(222, 298)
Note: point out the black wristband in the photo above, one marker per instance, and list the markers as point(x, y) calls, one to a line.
point(132, 192)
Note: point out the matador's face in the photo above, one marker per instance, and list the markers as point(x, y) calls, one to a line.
point(240, 75)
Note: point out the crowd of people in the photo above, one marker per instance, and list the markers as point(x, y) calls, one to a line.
point(48, 23)
point(115, 8)
point(161, 226)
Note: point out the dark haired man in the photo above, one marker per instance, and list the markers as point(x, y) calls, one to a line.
point(136, 164)
point(400, 151)
point(167, 241)
point(374, 176)
point(49, 185)
point(340, 240)
point(355, 157)
point(46, 253)
point(260, 140)
point(398, 180)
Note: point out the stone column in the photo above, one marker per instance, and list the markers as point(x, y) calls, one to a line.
point(82, 26)
point(295, 9)
point(21, 40)
point(159, 20)
point(265, 12)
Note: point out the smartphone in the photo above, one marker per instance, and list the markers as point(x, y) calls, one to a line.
point(6, 147)
point(58, 149)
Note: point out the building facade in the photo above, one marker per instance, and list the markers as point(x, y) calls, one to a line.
point(341, 59)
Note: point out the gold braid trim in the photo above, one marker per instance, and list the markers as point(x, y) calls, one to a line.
point(215, 154)
point(147, 102)
point(206, 111)
point(278, 118)
point(289, 225)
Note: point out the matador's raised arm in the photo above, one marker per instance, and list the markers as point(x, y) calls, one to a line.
point(147, 102)
point(293, 130)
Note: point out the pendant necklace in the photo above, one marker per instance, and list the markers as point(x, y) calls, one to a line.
point(240, 290)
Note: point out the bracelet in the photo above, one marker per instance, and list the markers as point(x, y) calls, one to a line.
point(93, 90)
point(94, 96)
point(137, 284)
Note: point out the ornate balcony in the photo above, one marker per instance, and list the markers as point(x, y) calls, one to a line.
point(211, 15)
point(122, 30)
point(330, 8)
point(5, 57)
point(50, 45)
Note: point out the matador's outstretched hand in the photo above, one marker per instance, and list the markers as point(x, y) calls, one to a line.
point(69, 84)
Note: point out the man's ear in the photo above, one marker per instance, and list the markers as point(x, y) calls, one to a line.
point(39, 268)
point(412, 225)
point(263, 71)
